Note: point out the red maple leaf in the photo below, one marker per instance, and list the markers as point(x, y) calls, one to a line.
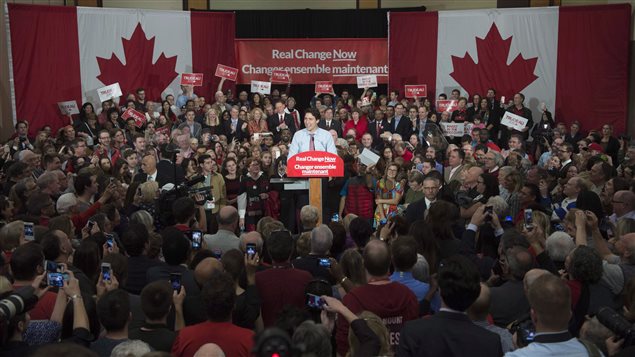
point(139, 71)
point(492, 70)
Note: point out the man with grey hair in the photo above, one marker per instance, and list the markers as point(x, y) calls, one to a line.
point(225, 239)
point(49, 183)
point(315, 338)
point(317, 263)
point(309, 217)
point(508, 300)
point(493, 162)
point(558, 246)
point(131, 348)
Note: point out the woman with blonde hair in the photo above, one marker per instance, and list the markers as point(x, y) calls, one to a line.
point(213, 122)
point(257, 122)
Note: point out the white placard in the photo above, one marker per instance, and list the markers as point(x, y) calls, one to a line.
point(368, 157)
point(108, 92)
point(261, 87)
point(453, 129)
point(369, 81)
point(514, 121)
point(68, 107)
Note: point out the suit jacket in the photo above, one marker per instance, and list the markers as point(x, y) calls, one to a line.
point(447, 334)
point(196, 132)
point(416, 210)
point(456, 176)
point(508, 302)
point(404, 128)
point(273, 122)
point(335, 125)
point(372, 129)
point(165, 174)
point(239, 134)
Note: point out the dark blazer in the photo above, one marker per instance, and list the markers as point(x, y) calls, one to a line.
point(447, 334)
point(372, 129)
point(239, 134)
point(165, 174)
point(416, 211)
point(273, 121)
point(404, 128)
point(335, 125)
point(508, 302)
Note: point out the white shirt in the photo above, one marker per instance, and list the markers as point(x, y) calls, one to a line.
point(153, 177)
point(322, 140)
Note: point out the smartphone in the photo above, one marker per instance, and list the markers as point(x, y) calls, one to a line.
point(324, 262)
point(489, 210)
point(139, 193)
point(335, 218)
point(112, 180)
point(251, 249)
point(51, 266)
point(529, 219)
point(28, 231)
point(106, 271)
point(256, 136)
point(110, 240)
point(90, 224)
point(175, 281)
point(57, 279)
point(314, 301)
point(196, 237)
point(217, 253)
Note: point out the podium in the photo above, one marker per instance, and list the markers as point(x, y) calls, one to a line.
point(314, 166)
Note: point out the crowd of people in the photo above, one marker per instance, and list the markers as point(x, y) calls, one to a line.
point(177, 236)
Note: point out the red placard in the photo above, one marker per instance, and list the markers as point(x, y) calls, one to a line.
point(193, 79)
point(139, 118)
point(312, 60)
point(280, 76)
point(324, 87)
point(447, 105)
point(226, 72)
point(418, 90)
point(315, 164)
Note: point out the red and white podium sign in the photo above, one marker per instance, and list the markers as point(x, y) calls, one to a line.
point(310, 164)
point(418, 91)
point(226, 72)
point(447, 105)
point(193, 79)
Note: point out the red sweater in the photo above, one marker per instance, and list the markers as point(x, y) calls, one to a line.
point(278, 287)
point(233, 340)
point(393, 302)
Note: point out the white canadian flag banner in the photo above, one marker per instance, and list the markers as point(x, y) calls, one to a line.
point(574, 58)
point(58, 53)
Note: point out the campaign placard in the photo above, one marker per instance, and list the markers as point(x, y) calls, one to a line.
point(453, 129)
point(226, 72)
point(324, 87)
point(139, 118)
point(261, 87)
point(280, 76)
point(192, 79)
point(369, 81)
point(416, 91)
point(108, 92)
point(514, 121)
point(447, 105)
point(68, 107)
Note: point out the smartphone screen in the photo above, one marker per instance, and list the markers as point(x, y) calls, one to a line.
point(106, 271)
point(325, 262)
point(314, 301)
point(175, 281)
point(197, 237)
point(28, 231)
point(51, 266)
point(529, 219)
point(57, 279)
point(251, 249)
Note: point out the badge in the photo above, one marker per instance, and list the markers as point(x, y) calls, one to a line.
point(255, 187)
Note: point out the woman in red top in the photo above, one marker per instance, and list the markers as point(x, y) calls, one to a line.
point(460, 115)
point(357, 122)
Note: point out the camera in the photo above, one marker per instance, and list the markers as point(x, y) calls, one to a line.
point(18, 302)
point(525, 332)
point(618, 324)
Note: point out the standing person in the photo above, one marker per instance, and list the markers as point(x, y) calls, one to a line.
point(216, 184)
point(519, 109)
point(388, 193)
point(254, 192)
point(280, 120)
point(311, 138)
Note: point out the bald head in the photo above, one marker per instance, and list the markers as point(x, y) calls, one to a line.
point(480, 307)
point(376, 258)
point(531, 276)
point(210, 350)
point(623, 202)
point(228, 218)
point(205, 269)
point(626, 247)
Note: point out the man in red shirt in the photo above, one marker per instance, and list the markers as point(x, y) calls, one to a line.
point(393, 302)
point(219, 297)
point(282, 284)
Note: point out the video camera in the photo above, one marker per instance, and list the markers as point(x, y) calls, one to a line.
point(167, 198)
point(618, 324)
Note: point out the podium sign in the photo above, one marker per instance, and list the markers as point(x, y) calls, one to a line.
point(312, 164)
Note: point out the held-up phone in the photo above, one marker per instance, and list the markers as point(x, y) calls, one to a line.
point(196, 237)
point(529, 219)
point(489, 210)
point(28, 231)
point(175, 281)
point(251, 249)
point(57, 279)
point(314, 301)
point(90, 224)
point(324, 262)
point(335, 218)
point(52, 266)
point(106, 271)
point(110, 241)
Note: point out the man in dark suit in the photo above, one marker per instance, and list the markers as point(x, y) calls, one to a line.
point(235, 127)
point(564, 154)
point(329, 123)
point(416, 210)
point(378, 126)
point(151, 171)
point(401, 124)
point(450, 332)
point(280, 120)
